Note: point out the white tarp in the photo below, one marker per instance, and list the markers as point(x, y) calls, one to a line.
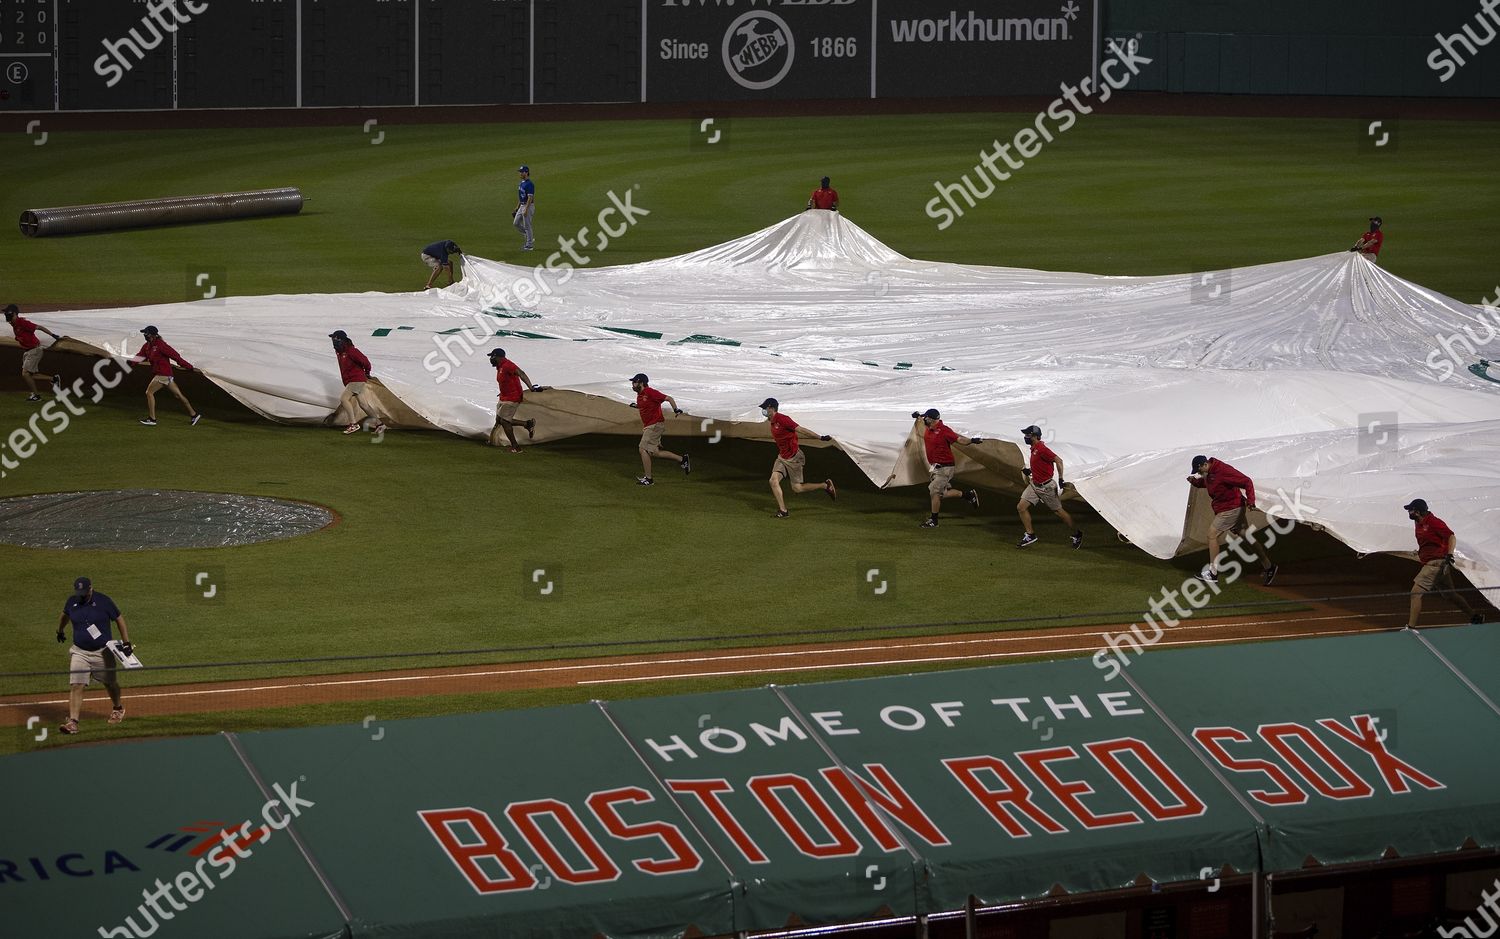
point(1274, 368)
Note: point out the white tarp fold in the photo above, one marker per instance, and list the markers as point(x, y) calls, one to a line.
point(1320, 375)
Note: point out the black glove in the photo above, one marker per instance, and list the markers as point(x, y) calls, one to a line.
point(915, 415)
point(536, 387)
point(1026, 471)
point(1448, 558)
point(126, 649)
point(60, 637)
point(677, 412)
point(632, 404)
point(976, 440)
point(825, 437)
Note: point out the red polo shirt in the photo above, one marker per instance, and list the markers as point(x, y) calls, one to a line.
point(1224, 484)
point(1042, 460)
point(1372, 242)
point(649, 400)
point(25, 331)
point(508, 374)
point(161, 356)
point(784, 432)
point(1432, 538)
point(936, 440)
point(353, 366)
point(824, 198)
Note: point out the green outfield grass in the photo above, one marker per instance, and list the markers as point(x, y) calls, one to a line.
point(437, 533)
point(1115, 194)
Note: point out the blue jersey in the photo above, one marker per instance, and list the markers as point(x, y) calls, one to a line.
point(439, 250)
point(91, 619)
point(527, 188)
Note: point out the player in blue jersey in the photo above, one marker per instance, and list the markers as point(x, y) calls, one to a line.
point(525, 206)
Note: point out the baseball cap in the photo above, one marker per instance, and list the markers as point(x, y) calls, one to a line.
point(1377, 219)
point(641, 377)
point(497, 351)
point(338, 334)
point(932, 413)
point(824, 180)
point(11, 310)
point(1198, 461)
point(149, 331)
point(1419, 505)
point(1032, 430)
point(770, 403)
point(81, 586)
point(523, 168)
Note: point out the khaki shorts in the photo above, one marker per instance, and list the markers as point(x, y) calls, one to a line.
point(940, 480)
point(506, 410)
point(651, 437)
point(1428, 579)
point(83, 666)
point(791, 468)
point(159, 381)
point(1046, 494)
point(355, 388)
point(31, 359)
point(1225, 521)
point(432, 262)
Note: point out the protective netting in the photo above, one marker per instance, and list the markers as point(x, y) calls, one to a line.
point(151, 519)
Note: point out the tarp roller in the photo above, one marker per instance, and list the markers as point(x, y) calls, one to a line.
point(169, 210)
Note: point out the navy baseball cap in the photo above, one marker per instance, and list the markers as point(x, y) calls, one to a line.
point(641, 377)
point(149, 331)
point(338, 334)
point(932, 413)
point(770, 403)
point(12, 310)
point(1416, 505)
point(1198, 461)
point(497, 351)
point(1033, 431)
point(523, 168)
point(1377, 220)
point(81, 586)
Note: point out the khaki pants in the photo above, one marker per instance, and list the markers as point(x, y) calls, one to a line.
point(31, 360)
point(940, 480)
point(506, 410)
point(651, 437)
point(791, 467)
point(85, 665)
point(1226, 521)
point(1046, 494)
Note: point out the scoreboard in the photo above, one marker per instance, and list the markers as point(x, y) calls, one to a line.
point(27, 53)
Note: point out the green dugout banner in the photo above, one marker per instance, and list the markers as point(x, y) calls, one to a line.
point(1345, 746)
point(167, 837)
point(762, 809)
point(1010, 780)
point(523, 823)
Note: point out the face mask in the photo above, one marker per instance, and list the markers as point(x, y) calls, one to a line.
point(765, 412)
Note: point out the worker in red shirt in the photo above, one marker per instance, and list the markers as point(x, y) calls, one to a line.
point(824, 197)
point(511, 380)
point(1224, 484)
point(937, 440)
point(1369, 243)
point(648, 400)
point(161, 356)
point(1044, 484)
point(1435, 545)
point(354, 371)
point(790, 460)
point(31, 350)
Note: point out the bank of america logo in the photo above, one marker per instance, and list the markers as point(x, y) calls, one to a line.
point(209, 835)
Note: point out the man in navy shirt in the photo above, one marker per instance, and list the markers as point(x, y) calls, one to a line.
point(91, 614)
point(525, 206)
point(435, 256)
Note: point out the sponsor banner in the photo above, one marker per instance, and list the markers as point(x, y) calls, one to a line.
point(718, 50)
point(983, 47)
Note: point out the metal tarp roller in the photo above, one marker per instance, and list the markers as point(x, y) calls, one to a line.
point(170, 210)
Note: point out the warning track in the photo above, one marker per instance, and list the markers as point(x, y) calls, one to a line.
point(821, 661)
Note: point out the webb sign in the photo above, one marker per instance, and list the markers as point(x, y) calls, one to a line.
point(698, 50)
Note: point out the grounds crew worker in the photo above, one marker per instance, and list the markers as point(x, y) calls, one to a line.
point(1224, 484)
point(1435, 544)
point(1044, 484)
point(791, 459)
point(937, 438)
point(91, 613)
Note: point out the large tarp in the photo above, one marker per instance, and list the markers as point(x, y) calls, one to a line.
point(1327, 378)
point(760, 809)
